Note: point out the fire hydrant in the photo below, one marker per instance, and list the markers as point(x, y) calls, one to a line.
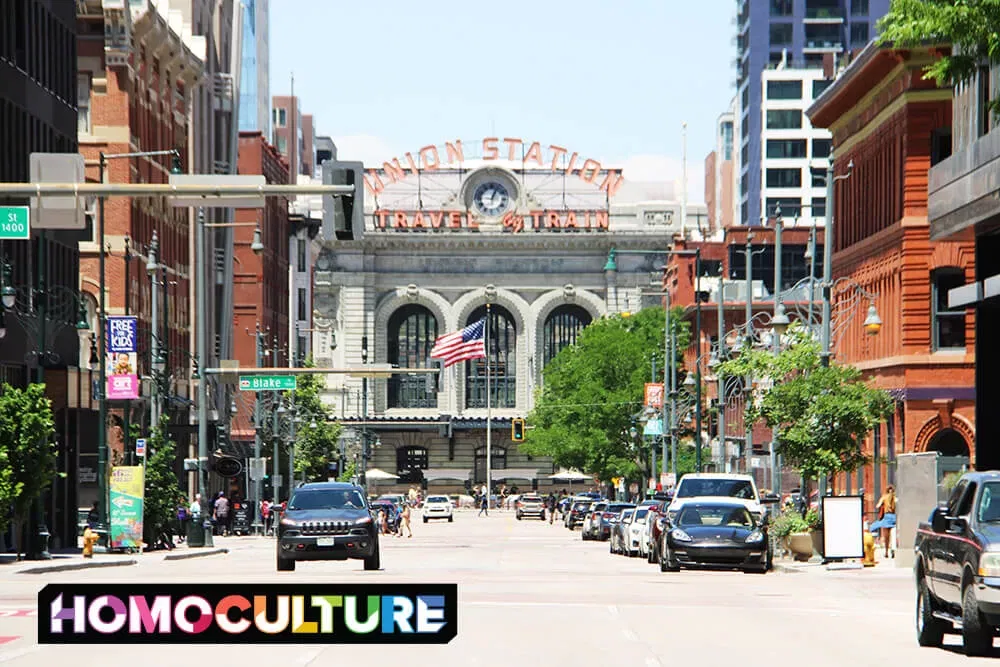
point(869, 544)
point(90, 538)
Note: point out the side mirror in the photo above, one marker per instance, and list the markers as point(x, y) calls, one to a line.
point(956, 525)
point(939, 520)
point(770, 499)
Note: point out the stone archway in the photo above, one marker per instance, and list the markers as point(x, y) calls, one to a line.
point(948, 442)
point(935, 435)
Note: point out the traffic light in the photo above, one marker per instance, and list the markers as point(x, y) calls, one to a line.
point(344, 215)
point(333, 469)
point(517, 430)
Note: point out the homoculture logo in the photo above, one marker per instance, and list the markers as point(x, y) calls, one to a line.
point(247, 614)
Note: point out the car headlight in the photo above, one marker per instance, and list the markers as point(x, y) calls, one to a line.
point(754, 537)
point(362, 521)
point(680, 535)
point(289, 522)
point(672, 516)
point(989, 564)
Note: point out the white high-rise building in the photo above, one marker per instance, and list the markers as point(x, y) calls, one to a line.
point(794, 155)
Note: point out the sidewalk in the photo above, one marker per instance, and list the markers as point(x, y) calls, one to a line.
point(884, 567)
point(64, 560)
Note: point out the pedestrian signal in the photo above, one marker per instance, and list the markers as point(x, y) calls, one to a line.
point(517, 430)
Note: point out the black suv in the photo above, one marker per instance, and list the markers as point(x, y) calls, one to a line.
point(327, 521)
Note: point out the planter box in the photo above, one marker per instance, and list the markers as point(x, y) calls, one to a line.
point(817, 542)
point(801, 546)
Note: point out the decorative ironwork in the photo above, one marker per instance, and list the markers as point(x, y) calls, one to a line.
point(562, 327)
point(412, 331)
point(502, 351)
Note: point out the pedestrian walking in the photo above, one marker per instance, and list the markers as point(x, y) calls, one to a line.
point(221, 515)
point(484, 505)
point(265, 516)
point(405, 523)
point(886, 519)
point(550, 505)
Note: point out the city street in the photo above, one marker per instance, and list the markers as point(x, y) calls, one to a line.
point(535, 594)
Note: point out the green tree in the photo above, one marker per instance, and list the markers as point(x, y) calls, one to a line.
point(27, 452)
point(968, 26)
point(163, 490)
point(824, 414)
point(593, 389)
point(314, 447)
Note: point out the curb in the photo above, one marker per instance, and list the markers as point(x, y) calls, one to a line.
point(76, 566)
point(788, 569)
point(196, 554)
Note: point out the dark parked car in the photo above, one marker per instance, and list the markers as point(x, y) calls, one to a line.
point(612, 512)
point(957, 566)
point(577, 511)
point(327, 521)
point(715, 533)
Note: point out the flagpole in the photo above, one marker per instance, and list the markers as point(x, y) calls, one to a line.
point(489, 414)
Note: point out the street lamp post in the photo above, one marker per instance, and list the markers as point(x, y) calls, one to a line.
point(202, 344)
point(362, 478)
point(748, 428)
point(668, 374)
point(152, 268)
point(259, 360)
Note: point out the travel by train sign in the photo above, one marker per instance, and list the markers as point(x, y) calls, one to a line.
point(512, 223)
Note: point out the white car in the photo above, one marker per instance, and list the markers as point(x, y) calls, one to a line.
point(716, 485)
point(438, 507)
point(637, 531)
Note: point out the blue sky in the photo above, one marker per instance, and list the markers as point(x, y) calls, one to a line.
point(613, 80)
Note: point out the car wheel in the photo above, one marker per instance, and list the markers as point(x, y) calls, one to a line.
point(518, 517)
point(374, 562)
point(930, 630)
point(285, 564)
point(651, 558)
point(977, 636)
point(451, 519)
point(426, 519)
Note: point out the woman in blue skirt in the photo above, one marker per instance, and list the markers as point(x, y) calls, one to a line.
point(886, 518)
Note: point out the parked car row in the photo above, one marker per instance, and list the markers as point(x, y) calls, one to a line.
point(712, 520)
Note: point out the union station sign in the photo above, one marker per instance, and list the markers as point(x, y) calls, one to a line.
point(530, 154)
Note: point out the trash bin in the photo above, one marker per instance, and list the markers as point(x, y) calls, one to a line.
point(195, 533)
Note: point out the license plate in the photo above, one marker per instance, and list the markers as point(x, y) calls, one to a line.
point(325, 541)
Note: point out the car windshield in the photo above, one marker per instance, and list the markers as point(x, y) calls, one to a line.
point(438, 499)
point(326, 499)
point(715, 515)
point(531, 499)
point(640, 515)
point(732, 488)
point(581, 506)
point(618, 508)
point(627, 516)
point(989, 503)
point(600, 507)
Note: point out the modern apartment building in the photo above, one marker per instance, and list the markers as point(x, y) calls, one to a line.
point(793, 154)
point(255, 74)
point(292, 134)
point(802, 34)
point(719, 176)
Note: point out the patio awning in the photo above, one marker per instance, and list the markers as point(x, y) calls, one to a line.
point(515, 473)
point(451, 474)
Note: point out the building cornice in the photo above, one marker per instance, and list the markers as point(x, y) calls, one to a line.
point(596, 242)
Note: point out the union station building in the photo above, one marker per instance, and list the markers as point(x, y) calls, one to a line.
point(525, 226)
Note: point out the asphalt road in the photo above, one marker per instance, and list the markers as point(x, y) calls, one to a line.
point(534, 594)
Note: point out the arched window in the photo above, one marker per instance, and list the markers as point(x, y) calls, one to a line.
point(562, 327)
point(411, 334)
point(948, 442)
point(502, 351)
point(499, 462)
point(410, 464)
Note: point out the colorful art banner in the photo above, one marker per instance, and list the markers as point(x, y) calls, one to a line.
point(127, 490)
point(122, 371)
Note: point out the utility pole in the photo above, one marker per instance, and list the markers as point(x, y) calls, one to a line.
point(720, 312)
point(778, 307)
point(748, 392)
point(102, 334)
point(277, 409)
point(202, 336)
point(697, 362)
point(667, 384)
point(259, 361)
point(129, 446)
point(827, 285)
point(363, 478)
point(673, 404)
point(291, 444)
point(154, 350)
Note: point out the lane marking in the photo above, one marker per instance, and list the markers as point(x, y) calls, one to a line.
point(14, 655)
point(652, 662)
point(613, 610)
point(7, 640)
point(629, 635)
point(19, 611)
point(307, 658)
point(680, 607)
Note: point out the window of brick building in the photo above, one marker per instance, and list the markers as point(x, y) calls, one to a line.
point(83, 103)
point(948, 324)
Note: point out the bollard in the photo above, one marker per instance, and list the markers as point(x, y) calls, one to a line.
point(869, 543)
point(90, 538)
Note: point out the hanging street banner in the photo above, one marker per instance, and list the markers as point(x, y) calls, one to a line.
point(127, 490)
point(122, 371)
point(654, 395)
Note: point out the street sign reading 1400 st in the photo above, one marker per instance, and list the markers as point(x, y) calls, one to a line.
point(268, 383)
point(14, 223)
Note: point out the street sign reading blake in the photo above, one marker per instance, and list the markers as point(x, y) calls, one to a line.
point(122, 375)
point(268, 383)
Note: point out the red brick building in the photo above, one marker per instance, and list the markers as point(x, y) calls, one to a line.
point(134, 95)
point(260, 282)
point(893, 124)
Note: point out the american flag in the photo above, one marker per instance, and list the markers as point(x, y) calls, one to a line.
point(461, 345)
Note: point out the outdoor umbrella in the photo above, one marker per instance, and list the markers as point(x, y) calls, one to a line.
point(571, 476)
point(375, 473)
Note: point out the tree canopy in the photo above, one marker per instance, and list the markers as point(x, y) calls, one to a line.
point(969, 26)
point(27, 452)
point(163, 492)
point(314, 447)
point(824, 414)
point(592, 390)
